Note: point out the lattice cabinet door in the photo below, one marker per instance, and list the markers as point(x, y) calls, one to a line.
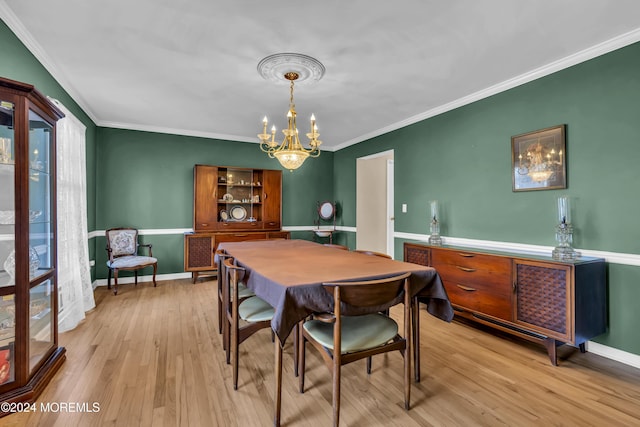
point(199, 254)
point(417, 254)
point(543, 298)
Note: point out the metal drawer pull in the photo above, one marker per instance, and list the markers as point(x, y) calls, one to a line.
point(240, 235)
point(466, 255)
point(468, 270)
point(466, 288)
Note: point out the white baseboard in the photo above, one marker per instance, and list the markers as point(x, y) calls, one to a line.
point(614, 354)
point(142, 279)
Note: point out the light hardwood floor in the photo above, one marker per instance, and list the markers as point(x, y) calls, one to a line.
point(153, 357)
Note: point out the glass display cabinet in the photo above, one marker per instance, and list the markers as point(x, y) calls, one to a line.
point(29, 352)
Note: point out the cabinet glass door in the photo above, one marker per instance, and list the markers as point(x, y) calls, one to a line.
point(237, 196)
point(7, 243)
point(41, 238)
point(40, 322)
point(7, 196)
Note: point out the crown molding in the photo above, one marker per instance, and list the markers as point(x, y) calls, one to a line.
point(12, 21)
point(174, 131)
point(600, 49)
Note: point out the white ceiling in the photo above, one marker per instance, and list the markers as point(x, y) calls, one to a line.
point(189, 66)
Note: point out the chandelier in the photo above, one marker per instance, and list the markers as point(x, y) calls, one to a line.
point(290, 152)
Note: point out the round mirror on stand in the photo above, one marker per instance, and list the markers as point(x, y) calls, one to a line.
point(326, 212)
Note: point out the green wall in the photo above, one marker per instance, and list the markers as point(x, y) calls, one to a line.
point(19, 64)
point(145, 180)
point(463, 159)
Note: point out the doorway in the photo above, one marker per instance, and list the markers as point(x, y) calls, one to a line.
point(374, 203)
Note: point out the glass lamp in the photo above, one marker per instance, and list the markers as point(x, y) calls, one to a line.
point(564, 232)
point(434, 225)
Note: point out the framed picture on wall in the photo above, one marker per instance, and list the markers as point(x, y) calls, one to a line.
point(539, 160)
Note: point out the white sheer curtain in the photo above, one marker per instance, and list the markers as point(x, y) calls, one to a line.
point(74, 275)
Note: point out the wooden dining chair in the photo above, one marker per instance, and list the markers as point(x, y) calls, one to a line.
point(386, 312)
point(243, 291)
point(122, 250)
point(255, 311)
point(345, 339)
point(415, 320)
point(333, 245)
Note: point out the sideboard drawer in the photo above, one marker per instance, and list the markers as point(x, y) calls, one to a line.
point(239, 237)
point(476, 282)
point(483, 267)
point(479, 297)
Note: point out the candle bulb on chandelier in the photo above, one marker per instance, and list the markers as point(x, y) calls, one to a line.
point(273, 134)
point(313, 123)
point(264, 123)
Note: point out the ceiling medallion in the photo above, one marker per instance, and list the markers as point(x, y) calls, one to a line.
point(274, 67)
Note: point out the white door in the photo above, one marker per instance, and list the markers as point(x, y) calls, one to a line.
point(374, 203)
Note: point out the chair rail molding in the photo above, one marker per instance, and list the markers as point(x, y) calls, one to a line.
point(611, 257)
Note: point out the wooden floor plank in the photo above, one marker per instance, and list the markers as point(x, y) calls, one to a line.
point(153, 357)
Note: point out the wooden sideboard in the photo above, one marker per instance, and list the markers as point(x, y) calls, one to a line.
point(534, 297)
point(231, 204)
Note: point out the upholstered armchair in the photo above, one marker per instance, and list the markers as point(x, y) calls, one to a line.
point(122, 248)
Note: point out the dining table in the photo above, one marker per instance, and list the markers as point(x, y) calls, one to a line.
point(288, 274)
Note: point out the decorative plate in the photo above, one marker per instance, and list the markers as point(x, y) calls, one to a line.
point(224, 215)
point(228, 197)
point(238, 213)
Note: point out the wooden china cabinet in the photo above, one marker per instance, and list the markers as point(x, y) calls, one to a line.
point(231, 204)
point(29, 352)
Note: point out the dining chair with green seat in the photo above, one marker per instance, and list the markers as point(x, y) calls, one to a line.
point(243, 291)
point(255, 311)
point(386, 312)
point(345, 339)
